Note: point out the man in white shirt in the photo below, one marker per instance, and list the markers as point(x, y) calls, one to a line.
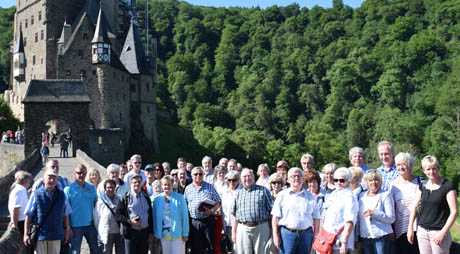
point(17, 200)
point(295, 216)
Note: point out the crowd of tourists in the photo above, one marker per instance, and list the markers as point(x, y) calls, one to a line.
point(228, 208)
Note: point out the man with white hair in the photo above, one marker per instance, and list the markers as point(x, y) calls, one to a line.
point(17, 200)
point(295, 216)
point(136, 162)
point(387, 169)
point(202, 201)
point(357, 158)
point(113, 173)
point(206, 163)
point(251, 214)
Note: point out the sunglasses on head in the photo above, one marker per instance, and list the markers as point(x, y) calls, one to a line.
point(340, 180)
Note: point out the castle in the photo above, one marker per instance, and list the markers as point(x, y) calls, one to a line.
point(96, 41)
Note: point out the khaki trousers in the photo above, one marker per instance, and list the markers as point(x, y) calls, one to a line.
point(251, 240)
point(48, 247)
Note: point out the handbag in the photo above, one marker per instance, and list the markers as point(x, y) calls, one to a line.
point(35, 228)
point(324, 241)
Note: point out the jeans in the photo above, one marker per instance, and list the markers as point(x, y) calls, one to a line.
point(381, 245)
point(90, 234)
point(138, 242)
point(296, 242)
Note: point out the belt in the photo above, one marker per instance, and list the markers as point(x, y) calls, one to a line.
point(252, 224)
point(296, 230)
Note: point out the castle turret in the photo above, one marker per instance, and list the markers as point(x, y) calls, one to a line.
point(65, 35)
point(19, 59)
point(100, 45)
point(132, 55)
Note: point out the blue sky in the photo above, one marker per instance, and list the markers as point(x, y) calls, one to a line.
point(244, 3)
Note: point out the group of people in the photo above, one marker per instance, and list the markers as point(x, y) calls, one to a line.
point(48, 139)
point(227, 209)
point(12, 137)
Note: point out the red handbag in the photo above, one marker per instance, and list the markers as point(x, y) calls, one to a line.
point(324, 241)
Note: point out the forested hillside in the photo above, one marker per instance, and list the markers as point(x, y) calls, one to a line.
point(265, 84)
point(6, 35)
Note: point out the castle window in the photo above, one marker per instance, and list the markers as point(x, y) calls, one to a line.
point(33, 60)
point(82, 73)
point(147, 87)
point(36, 37)
point(80, 53)
point(85, 36)
point(41, 60)
point(25, 24)
point(39, 15)
point(121, 117)
point(32, 20)
point(42, 35)
point(94, 72)
point(68, 73)
point(132, 87)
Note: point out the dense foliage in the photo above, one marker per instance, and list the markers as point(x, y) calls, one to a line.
point(6, 36)
point(265, 84)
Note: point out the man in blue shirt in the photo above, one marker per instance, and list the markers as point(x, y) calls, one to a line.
point(388, 168)
point(48, 211)
point(82, 198)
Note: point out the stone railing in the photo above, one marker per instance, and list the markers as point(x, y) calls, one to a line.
point(86, 160)
point(30, 164)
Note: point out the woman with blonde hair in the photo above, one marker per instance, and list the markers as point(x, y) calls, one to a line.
point(277, 183)
point(93, 177)
point(437, 209)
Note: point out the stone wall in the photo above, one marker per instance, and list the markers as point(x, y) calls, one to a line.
point(84, 159)
point(10, 155)
point(107, 145)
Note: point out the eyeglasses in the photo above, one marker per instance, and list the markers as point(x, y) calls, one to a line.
point(137, 162)
point(173, 174)
point(198, 174)
point(277, 183)
point(340, 180)
point(232, 180)
point(80, 173)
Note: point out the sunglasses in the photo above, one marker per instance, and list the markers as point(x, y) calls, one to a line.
point(277, 183)
point(340, 180)
point(80, 173)
point(232, 180)
point(198, 174)
point(173, 174)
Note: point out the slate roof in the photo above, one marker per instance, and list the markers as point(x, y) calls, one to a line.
point(19, 45)
point(132, 55)
point(100, 32)
point(56, 90)
point(65, 34)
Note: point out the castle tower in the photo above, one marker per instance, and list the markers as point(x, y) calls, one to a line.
point(100, 45)
point(65, 36)
point(19, 60)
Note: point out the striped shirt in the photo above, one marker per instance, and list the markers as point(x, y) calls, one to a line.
point(252, 205)
point(404, 194)
point(195, 195)
point(138, 206)
point(388, 176)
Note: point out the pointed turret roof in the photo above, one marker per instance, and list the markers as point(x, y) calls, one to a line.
point(19, 45)
point(65, 34)
point(100, 33)
point(133, 55)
